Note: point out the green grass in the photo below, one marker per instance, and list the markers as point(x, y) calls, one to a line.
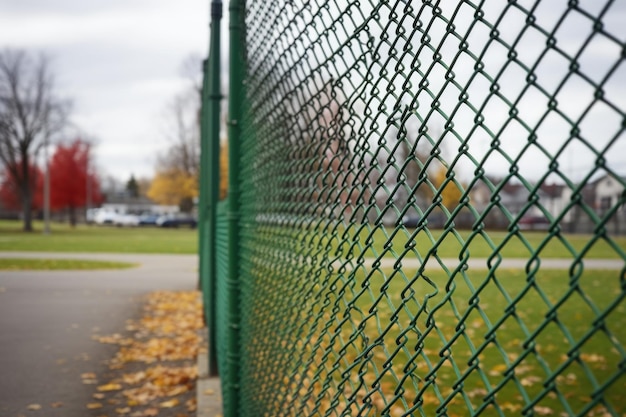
point(21, 264)
point(97, 239)
point(408, 333)
point(452, 244)
point(337, 239)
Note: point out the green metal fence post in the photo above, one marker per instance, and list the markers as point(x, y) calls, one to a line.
point(203, 242)
point(236, 71)
point(210, 181)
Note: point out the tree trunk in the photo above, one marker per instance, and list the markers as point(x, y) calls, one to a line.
point(72, 213)
point(27, 206)
point(27, 212)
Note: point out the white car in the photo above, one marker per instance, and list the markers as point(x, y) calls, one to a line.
point(126, 220)
point(102, 216)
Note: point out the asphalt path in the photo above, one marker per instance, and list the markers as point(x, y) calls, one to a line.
point(48, 320)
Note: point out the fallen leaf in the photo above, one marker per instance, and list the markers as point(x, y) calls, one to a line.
point(177, 390)
point(34, 407)
point(93, 406)
point(135, 378)
point(191, 404)
point(511, 407)
point(124, 410)
point(530, 380)
point(109, 387)
point(169, 404)
point(150, 412)
point(497, 370)
point(543, 411)
point(592, 358)
point(57, 404)
point(98, 396)
point(209, 392)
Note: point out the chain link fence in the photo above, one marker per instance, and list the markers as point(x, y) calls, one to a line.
point(427, 205)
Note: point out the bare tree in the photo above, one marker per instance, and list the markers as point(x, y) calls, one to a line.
point(30, 114)
point(183, 134)
point(191, 70)
point(181, 128)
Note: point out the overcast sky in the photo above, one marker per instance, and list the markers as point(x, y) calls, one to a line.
point(119, 61)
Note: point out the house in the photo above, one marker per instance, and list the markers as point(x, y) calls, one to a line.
point(610, 196)
point(609, 192)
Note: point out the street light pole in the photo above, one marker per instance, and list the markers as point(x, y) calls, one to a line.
point(46, 190)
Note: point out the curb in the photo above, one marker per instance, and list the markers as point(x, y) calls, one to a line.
point(208, 391)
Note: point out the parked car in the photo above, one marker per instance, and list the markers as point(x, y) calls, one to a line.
point(126, 219)
point(148, 219)
point(176, 221)
point(534, 223)
point(410, 221)
point(103, 216)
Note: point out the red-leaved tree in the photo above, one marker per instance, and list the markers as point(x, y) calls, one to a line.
point(10, 193)
point(73, 185)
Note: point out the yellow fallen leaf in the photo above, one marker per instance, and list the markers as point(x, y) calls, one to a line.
point(98, 396)
point(124, 410)
point(169, 404)
point(209, 392)
point(93, 406)
point(511, 407)
point(593, 358)
point(174, 391)
point(497, 370)
point(543, 411)
point(530, 380)
point(109, 387)
point(191, 404)
point(34, 407)
point(57, 404)
point(134, 378)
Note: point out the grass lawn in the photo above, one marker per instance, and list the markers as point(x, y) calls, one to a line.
point(335, 238)
point(451, 244)
point(21, 264)
point(84, 238)
point(464, 341)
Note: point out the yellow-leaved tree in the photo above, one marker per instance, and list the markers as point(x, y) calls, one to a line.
point(223, 169)
point(450, 193)
point(174, 187)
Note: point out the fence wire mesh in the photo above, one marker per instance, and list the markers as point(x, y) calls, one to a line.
point(432, 209)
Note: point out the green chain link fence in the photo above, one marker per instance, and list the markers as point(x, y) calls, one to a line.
point(426, 209)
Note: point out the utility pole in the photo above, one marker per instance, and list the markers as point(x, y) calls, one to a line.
point(46, 189)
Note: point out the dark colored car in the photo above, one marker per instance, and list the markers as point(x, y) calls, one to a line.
point(410, 221)
point(534, 223)
point(176, 221)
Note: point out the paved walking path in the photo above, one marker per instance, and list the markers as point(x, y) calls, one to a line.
point(48, 318)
